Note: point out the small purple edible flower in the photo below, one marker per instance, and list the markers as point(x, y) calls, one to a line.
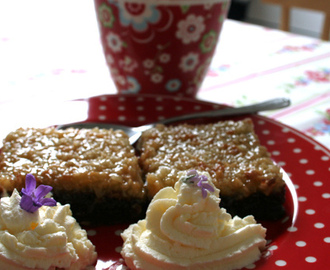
point(32, 197)
point(199, 180)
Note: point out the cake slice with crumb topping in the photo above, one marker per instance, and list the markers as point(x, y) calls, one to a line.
point(230, 151)
point(96, 171)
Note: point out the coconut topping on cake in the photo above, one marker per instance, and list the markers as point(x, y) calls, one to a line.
point(186, 229)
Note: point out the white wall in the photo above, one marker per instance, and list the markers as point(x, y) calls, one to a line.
point(302, 21)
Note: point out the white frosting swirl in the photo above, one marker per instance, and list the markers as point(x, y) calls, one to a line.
point(183, 230)
point(49, 238)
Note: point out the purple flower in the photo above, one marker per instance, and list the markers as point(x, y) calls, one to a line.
point(200, 181)
point(32, 197)
point(204, 185)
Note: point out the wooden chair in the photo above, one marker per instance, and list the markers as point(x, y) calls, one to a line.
point(317, 5)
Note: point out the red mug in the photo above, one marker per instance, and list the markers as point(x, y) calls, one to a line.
point(160, 47)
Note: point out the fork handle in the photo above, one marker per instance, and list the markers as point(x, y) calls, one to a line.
point(271, 104)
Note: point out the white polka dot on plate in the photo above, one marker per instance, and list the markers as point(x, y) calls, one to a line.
point(318, 183)
point(302, 199)
point(292, 229)
point(310, 172)
point(102, 117)
point(118, 232)
point(261, 122)
point(297, 150)
point(118, 249)
point(319, 225)
point(285, 130)
point(273, 247)
point(325, 158)
point(326, 195)
point(310, 259)
point(122, 118)
point(280, 263)
point(142, 118)
point(91, 232)
point(291, 140)
point(285, 219)
point(327, 240)
point(303, 161)
point(301, 244)
point(102, 108)
point(270, 142)
point(310, 211)
point(266, 132)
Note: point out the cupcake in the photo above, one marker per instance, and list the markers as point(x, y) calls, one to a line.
point(36, 232)
point(185, 228)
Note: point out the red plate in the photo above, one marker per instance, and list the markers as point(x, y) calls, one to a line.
point(299, 241)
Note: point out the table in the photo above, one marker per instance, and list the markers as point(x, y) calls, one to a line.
point(50, 53)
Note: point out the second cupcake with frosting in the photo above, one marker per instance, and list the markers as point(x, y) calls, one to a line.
point(186, 229)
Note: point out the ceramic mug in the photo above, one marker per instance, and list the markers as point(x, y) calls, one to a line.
point(160, 47)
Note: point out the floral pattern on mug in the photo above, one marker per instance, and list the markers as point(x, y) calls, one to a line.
point(173, 85)
point(189, 62)
point(159, 47)
point(148, 63)
point(190, 29)
point(106, 16)
point(138, 15)
point(128, 64)
point(165, 58)
point(133, 86)
point(114, 42)
point(209, 41)
point(156, 78)
point(201, 71)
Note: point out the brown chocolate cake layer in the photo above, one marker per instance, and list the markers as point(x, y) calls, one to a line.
point(96, 171)
point(248, 179)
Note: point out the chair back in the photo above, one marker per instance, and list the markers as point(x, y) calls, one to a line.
point(316, 5)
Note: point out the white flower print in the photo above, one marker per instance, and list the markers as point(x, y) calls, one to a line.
point(119, 79)
point(156, 78)
point(189, 62)
point(114, 42)
point(148, 63)
point(110, 59)
point(190, 29)
point(128, 64)
point(164, 58)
